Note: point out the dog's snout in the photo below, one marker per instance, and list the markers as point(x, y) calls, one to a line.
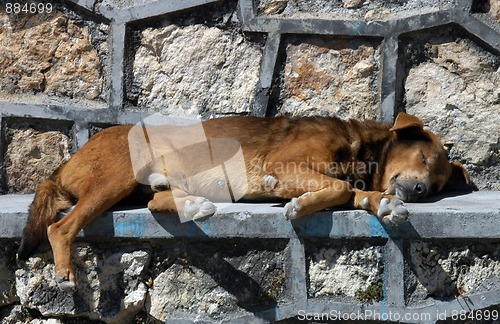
point(420, 189)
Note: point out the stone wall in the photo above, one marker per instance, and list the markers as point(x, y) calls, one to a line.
point(452, 84)
point(345, 58)
point(90, 64)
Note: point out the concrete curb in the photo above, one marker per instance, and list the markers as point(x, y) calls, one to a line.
point(472, 215)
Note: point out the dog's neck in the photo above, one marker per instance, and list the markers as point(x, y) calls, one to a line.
point(369, 142)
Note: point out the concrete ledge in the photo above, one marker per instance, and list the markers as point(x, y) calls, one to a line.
point(473, 215)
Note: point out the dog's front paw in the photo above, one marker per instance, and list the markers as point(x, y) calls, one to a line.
point(199, 209)
point(158, 182)
point(291, 210)
point(392, 212)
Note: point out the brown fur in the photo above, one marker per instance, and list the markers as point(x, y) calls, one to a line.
point(408, 162)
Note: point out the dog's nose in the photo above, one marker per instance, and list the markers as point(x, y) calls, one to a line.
point(420, 189)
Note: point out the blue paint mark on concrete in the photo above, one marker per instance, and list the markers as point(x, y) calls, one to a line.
point(313, 224)
point(120, 227)
point(317, 226)
point(130, 226)
point(296, 274)
point(335, 226)
point(376, 228)
point(383, 308)
point(277, 314)
point(190, 228)
point(208, 228)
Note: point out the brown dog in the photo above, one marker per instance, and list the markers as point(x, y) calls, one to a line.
point(316, 162)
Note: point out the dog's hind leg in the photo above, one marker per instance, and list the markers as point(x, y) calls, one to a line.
point(162, 202)
point(188, 207)
point(63, 233)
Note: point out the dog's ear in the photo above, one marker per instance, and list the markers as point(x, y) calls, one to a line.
point(408, 127)
point(405, 121)
point(460, 179)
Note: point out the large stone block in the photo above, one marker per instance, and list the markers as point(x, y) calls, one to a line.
point(190, 69)
point(454, 86)
point(210, 281)
point(120, 4)
point(330, 77)
point(489, 7)
point(33, 152)
point(345, 272)
point(350, 9)
point(52, 55)
point(7, 275)
point(494, 10)
point(444, 270)
point(110, 282)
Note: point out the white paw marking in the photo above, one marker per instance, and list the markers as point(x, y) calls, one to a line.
point(158, 182)
point(270, 182)
point(291, 210)
point(365, 202)
point(200, 209)
point(392, 212)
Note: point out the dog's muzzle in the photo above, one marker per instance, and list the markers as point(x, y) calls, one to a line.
point(410, 191)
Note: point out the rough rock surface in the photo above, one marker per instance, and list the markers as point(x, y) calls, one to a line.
point(444, 271)
point(32, 155)
point(491, 8)
point(184, 289)
point(17, 314)
point(49, 54)
point(121, 4)
point(212, 280)
point(7, 275)
point(271, 7)
point(350, 9)
point(193, 70)
point(330, 77)
point(456, 92)
point(341, 270)
point(495, 10)
point(110, 283)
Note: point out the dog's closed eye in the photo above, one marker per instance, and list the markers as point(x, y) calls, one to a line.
point(422, 156)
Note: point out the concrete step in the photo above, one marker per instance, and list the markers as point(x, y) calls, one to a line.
point(472, 215)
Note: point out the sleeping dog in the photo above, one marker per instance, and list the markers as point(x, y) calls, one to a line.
point(313, 162)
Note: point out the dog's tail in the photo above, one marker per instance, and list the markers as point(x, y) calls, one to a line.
point(49, 199)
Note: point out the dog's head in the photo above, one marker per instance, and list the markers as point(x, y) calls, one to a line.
point(417, 163)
